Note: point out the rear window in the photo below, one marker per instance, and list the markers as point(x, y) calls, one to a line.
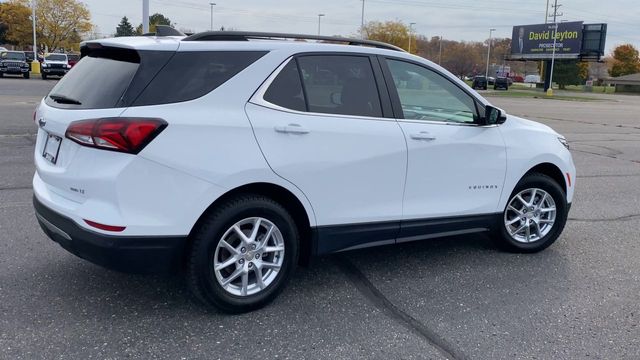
point(93, 83)
point(111, 77)
point(190, 75)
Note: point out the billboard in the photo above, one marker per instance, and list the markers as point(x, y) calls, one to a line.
point(536, 41)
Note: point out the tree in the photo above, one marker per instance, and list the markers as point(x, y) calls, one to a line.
point(625, 61)
point(155, 19)
point(61, 23)
point(566, 72)
point(15, 19)
point(390, 32)
point(125, 28)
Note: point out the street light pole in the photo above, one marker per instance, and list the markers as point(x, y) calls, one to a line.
point(33, 18)
point(211, 25)
point(145, 16)
point(362, 22)
point(319, 17)
point(486, 75)
point(410, 33)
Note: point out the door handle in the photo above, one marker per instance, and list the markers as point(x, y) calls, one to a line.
point(422, 135)
point(291, 129)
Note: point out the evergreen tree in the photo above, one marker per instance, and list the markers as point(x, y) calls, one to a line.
point(566, 72)
point(125, 28)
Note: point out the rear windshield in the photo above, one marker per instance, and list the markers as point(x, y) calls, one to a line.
point(94, 83)
point(111, 78)
point(12, 56)
point(56, 57)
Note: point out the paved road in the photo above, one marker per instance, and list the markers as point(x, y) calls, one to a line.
point(448, 298)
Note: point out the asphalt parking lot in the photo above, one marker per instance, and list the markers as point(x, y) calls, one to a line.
point(457, 298)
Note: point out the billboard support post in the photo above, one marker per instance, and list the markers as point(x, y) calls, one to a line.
point(553, 60)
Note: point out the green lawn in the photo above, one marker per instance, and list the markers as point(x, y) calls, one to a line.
point(536, 95)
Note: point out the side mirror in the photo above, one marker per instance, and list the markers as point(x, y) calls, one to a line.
point(493, 116)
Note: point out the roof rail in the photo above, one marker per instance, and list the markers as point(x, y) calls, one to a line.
point(247, 35)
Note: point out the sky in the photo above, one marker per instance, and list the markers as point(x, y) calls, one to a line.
point(468, 20)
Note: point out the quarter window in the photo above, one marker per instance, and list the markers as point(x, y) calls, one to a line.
point(427, 95)
point(340, 84)
point(286, 89)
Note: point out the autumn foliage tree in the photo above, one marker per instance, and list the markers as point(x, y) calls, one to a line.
point(390, 32)
point(626, 61)
point(62, 23)
point(15, 19)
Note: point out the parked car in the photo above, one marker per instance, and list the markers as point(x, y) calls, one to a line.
point(262, 154)
point(479, 82)
point(501, 83)
point(73, 59)
point(56, 64)
point(517, 79)
point(14, 63)
point(532, 79)
point(491, 80)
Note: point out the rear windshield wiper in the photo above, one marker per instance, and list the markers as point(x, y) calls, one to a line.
point(61, 99)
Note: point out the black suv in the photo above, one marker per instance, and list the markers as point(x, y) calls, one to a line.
point(479, 82)
point(501, 83)
point(14, 62)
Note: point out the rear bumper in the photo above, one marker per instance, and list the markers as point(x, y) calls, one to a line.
point(137, 254)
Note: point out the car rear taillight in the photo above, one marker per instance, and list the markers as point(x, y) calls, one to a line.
point(104, 227)
point(129, 135)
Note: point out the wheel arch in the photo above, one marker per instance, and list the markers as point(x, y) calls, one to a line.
point(278, 193)
point(552, 171)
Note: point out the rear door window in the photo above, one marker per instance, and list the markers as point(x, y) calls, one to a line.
point(340, 84)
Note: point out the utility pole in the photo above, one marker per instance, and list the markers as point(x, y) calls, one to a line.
point(410, 33)
point(555, 38)
point(362, 22)
point(211, 24)
point(145, 16)
point(486, 75)
point(440, 51)
point(319, 17)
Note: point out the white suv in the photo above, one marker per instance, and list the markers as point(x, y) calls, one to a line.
point(235, 159)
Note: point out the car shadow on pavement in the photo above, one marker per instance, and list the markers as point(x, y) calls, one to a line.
point(79, 285)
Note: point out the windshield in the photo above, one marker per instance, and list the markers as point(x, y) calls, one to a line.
point(56, 57)
point(13, 56)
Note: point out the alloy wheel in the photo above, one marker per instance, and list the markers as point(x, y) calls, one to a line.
point(249, 256)
point(530, 215)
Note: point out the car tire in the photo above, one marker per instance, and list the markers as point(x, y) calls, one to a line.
point(44, 77)
point(26, 75)
point(209, 278)
point(532, 210)
point(1, 74)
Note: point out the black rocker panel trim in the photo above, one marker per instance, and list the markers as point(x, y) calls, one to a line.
point(333, 238)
